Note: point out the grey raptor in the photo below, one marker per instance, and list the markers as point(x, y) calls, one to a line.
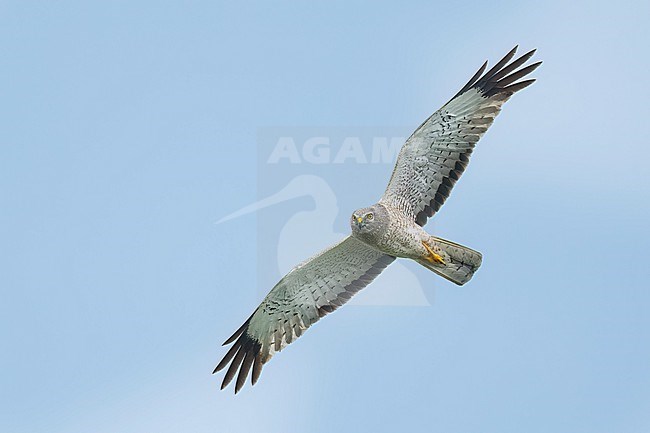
point(428, 166)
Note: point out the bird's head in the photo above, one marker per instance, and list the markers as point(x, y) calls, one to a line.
point(367, 220)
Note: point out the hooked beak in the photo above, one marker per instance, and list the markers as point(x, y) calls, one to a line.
point(359, 220)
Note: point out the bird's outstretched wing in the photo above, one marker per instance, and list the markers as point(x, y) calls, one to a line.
point(311, 290)
point(434, 157)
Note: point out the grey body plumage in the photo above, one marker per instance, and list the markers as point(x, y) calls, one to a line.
point(389, 231)
point(428, 166)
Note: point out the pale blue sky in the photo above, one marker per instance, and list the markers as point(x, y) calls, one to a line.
point(128, 128)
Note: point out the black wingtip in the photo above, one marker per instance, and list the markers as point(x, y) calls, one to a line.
point(226, 359)
point(499, 65)
point(239, 331)
point(234, 366)
point(234, 336)
point(500, 78)
point(503, 80)
point(472, 80)
point(518, 86)
point(517, 75)
point(244, 354)
point(257, 369)
point(245, 368)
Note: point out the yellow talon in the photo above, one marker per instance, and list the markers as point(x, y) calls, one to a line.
point(433, 257)
point(438, 258)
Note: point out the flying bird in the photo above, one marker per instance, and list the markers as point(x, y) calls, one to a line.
point(428, 165)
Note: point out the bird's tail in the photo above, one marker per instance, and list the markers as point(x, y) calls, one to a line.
point(453, 262)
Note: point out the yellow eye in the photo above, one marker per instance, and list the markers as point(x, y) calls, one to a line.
point(370, 216)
